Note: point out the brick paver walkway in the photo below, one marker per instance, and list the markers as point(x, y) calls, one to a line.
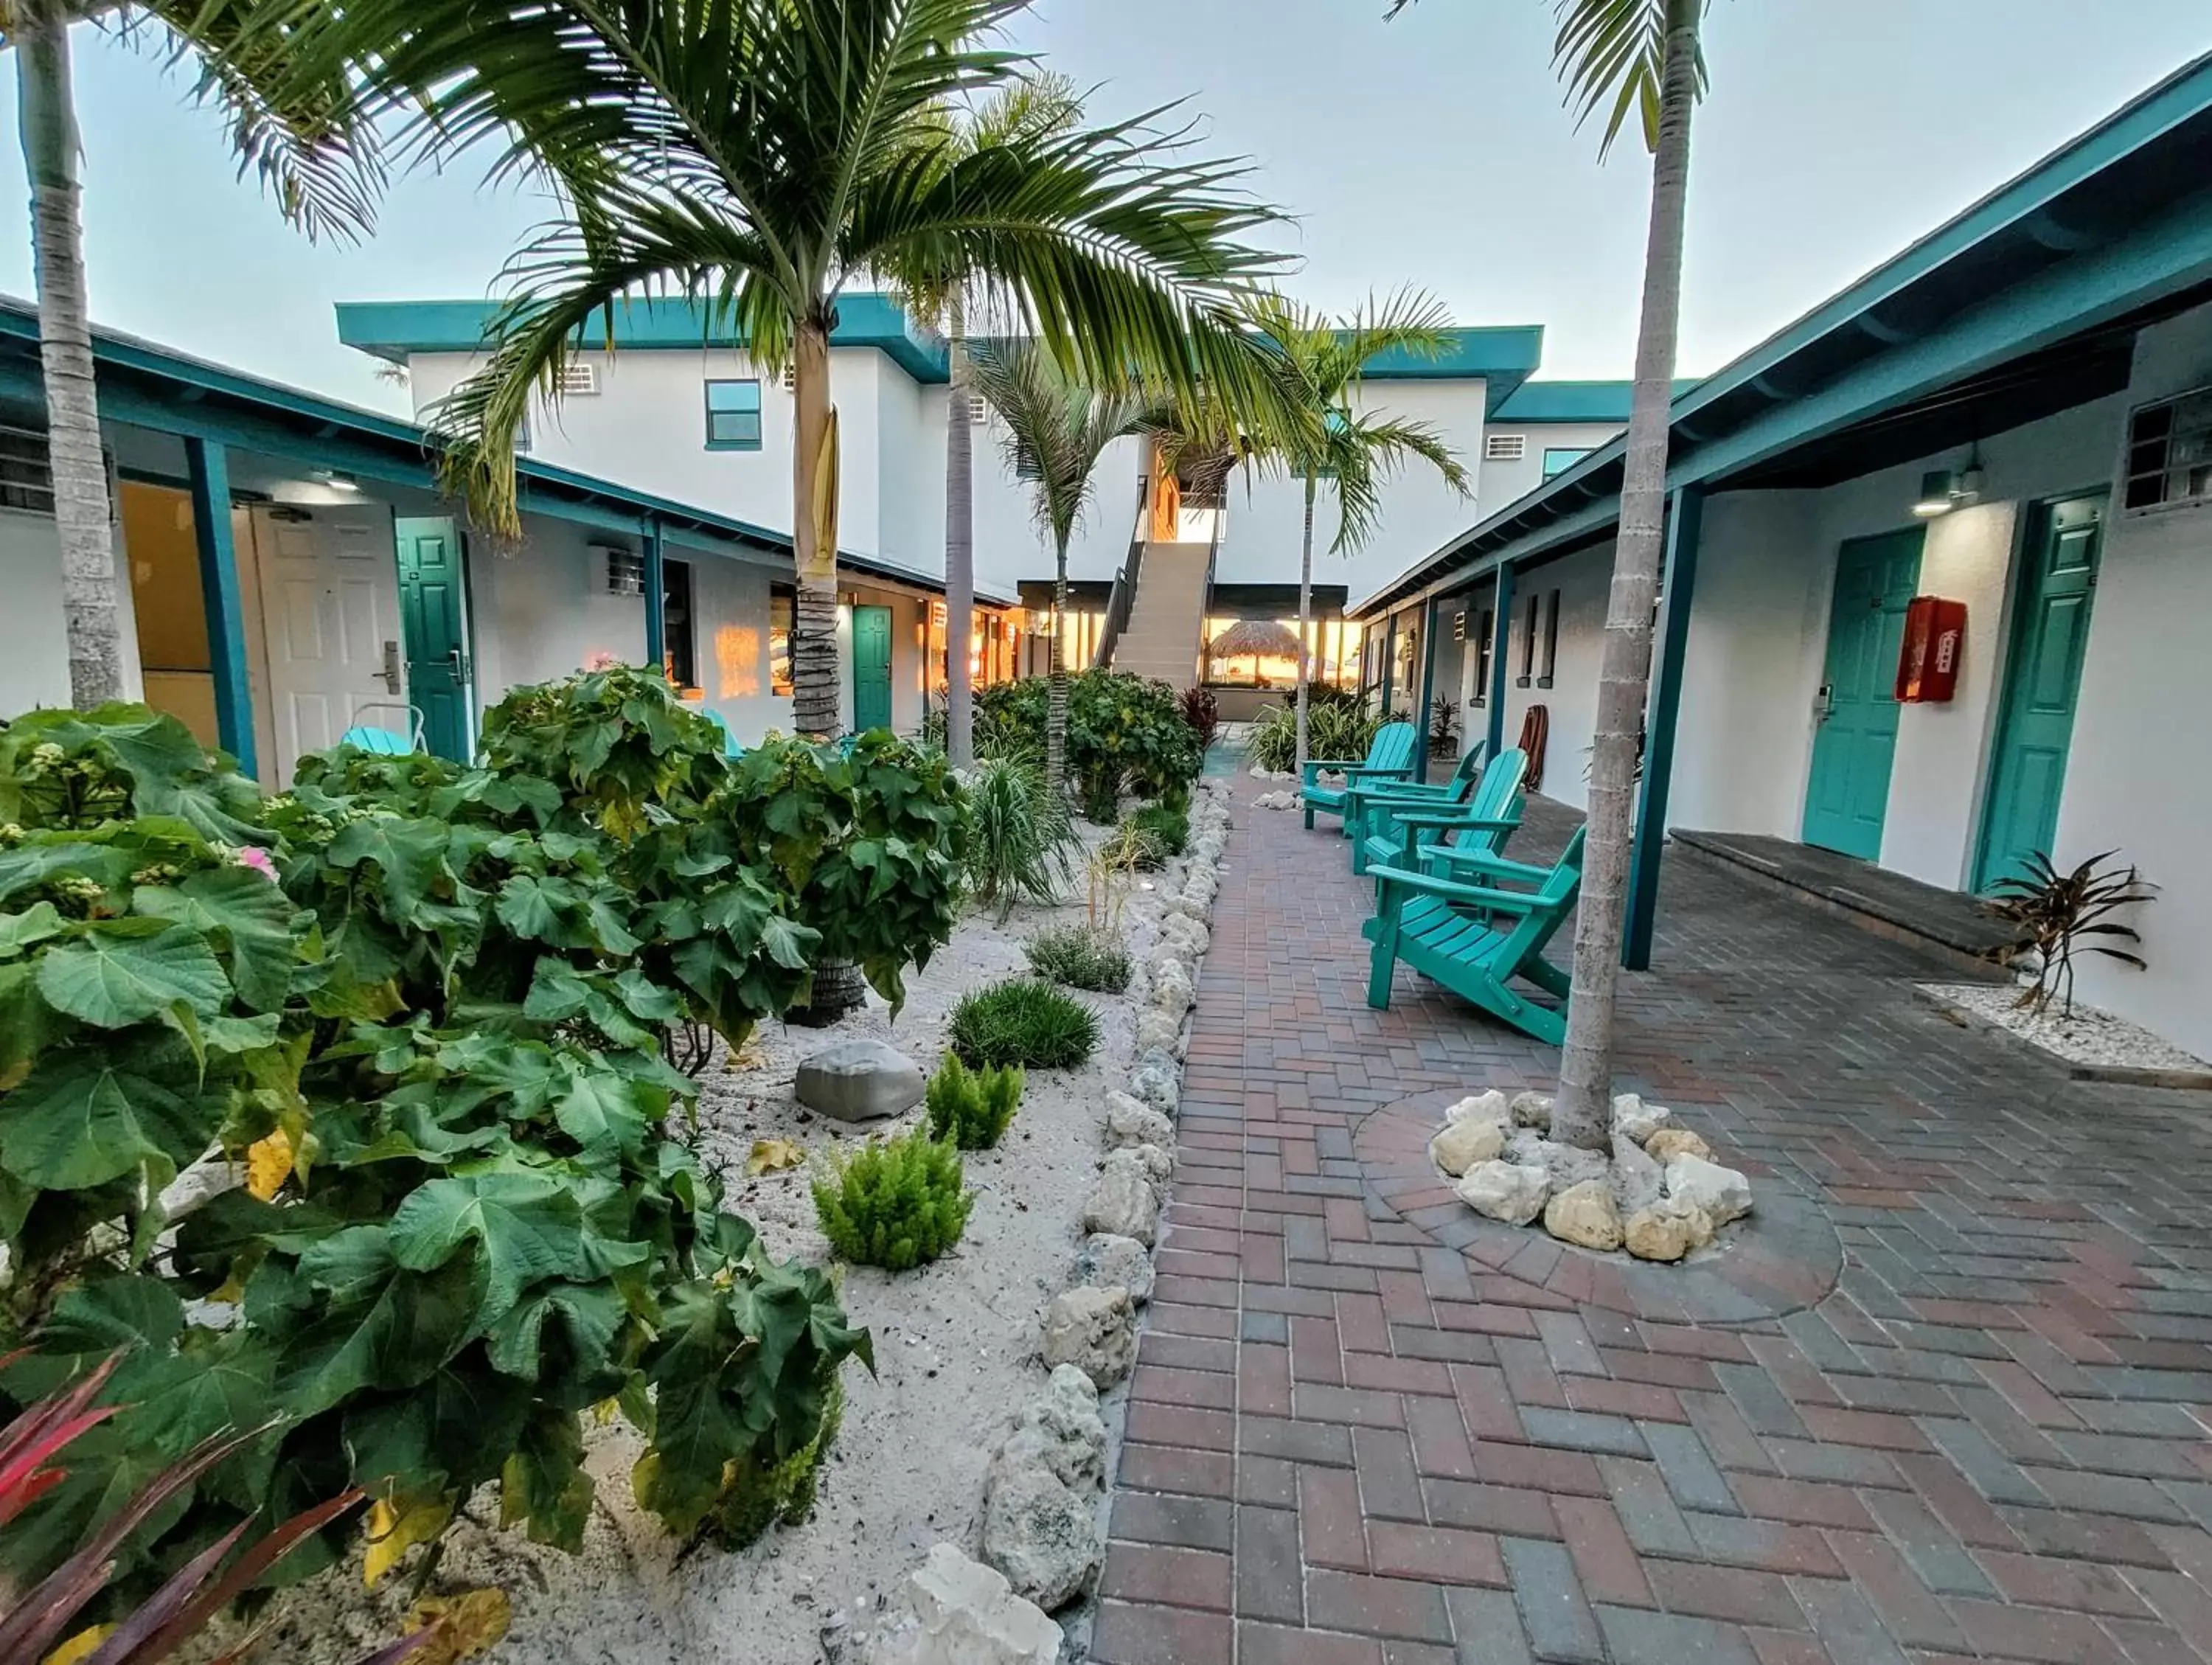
point(1348, 1444)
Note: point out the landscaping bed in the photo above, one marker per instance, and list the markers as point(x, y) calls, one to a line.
point(956, 1349)
point(2097, 1045)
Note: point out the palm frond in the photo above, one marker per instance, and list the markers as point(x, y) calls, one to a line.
point(1057, 427)
point(1367, 452)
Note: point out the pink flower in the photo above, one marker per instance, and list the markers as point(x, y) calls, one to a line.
point(600, 660)
point(258, 860)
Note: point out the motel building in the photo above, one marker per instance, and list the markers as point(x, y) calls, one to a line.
point(1937, 578)
point(288, 571)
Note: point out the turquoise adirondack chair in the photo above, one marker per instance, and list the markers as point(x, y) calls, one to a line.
point(1486, 813)
point(383, 742)
point(732, 747)
point(1476, 939)
point(1359, 797)
point(1389, 757)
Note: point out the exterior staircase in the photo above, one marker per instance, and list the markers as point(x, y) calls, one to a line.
point(1167, 618)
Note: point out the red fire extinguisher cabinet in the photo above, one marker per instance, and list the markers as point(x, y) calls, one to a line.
point(1935, 641)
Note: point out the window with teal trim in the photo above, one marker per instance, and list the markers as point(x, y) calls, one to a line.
point(1558, 459)
point(733, 415)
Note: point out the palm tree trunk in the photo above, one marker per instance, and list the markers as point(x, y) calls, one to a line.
point(959, 546)
point(1055, 721)
point(814, 669)
point(1305, 614)
point(1583, 1113)
point(82, 514)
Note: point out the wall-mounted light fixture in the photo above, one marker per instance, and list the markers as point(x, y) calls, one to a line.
point(1939, 493)
point(335, 480)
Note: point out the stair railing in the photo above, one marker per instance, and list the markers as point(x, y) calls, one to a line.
point(1123, 596)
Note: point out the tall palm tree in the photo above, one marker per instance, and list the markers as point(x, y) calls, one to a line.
point(762, 155)
point(1321, 366)
point(1031, 107)
point(1640, 57)
point(307, 152)
point(1057, 428)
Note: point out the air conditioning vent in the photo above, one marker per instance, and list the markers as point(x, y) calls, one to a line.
point(790, 378)
point(624, 569)
point(1504, 447)
point(580, 378)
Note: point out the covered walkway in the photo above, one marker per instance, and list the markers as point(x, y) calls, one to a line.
point(1351, 1443)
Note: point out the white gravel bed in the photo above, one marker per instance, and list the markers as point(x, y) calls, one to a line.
point(2087, 1036)
point(956, 1352)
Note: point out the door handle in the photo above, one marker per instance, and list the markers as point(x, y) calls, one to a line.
point(454, 665)
point(1825, 707)
point(390, 674)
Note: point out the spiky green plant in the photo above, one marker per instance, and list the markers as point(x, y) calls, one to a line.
point(1023, 1021)
point(1022, 844)
point(896, 1203)
point(1080, 957)
point(972, 1108)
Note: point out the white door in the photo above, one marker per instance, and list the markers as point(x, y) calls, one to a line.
point(329, 591)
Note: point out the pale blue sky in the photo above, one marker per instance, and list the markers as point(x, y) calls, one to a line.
point(1432, 149)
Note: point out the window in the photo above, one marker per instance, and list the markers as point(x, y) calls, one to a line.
point(522, 433)
point(679, 640)
point(782, 606)
point(733, 415)
point(1025, 463)
point(1485, 641)
point(1531, 618)
point(2169, 453)
point(1504, 447)
point(1558, 459)
point(1549, 660)
point(27, 480)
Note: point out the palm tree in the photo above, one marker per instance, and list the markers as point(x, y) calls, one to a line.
point(1321, 366)
point(306, 152)
point(1057, 428)
point(762, 155)
point(1034, 106)
point(1639, 56)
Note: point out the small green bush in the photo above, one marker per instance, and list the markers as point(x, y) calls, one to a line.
point(1080, 957)
point(1022, 1021)
point(1100, 788)
point(1166, 826)
point(1021, 844)
point(1129, 725)
point(896, 1203)
point(972, 1109)
point(1334, 729)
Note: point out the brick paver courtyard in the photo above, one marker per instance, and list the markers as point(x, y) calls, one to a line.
point(1349, 1443)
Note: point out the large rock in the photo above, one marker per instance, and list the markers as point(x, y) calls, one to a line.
point(1566, 1164)
point(1063, 1416)
point(1668, 1143)
point(1129, 1121)
point(1155, 1029)
point(1638, 1180)
point(1171, 987)
point(1123, 1203)
point(1492, 1106)
point(1634, 1119)
point(1505, 1191)
point(1040, 1532)
point(1722, 1192)
point(1186, 935)
point(1155, 1162)
point(1106, 1261)
point(1532, 1109)
point(1666, 1230)
point(1584, 1215)
point(859, 1081)
point(1094, 1329)
point(1461, 1145)
point(1157, 1082)
point(953, 1611)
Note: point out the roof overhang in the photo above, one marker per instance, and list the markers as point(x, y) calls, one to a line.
point(2025, 304)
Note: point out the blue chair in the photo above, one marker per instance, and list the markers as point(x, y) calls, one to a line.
point(382, 742)
point(731, 746)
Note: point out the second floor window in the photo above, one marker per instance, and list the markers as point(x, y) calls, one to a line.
point(1558, 459)
point(733, 415)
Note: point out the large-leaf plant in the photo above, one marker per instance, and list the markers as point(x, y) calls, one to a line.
point(424, 1008)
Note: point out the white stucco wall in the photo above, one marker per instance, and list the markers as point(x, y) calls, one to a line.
point(1581, 581)
point(1499, 483)
point(2139, 777)
point(542, 609)
point(34, 638)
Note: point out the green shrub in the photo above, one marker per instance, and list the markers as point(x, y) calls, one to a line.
point(1021, 845)
point(1166, 826)
point(972, 1109)
point(1099, 786)
point(1022, 1021)
point(896, 1203)
point(1080, 956)
point(1120, 727)
point(1335, 728)
point(427, 1005)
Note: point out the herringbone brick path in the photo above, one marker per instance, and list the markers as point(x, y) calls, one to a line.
point(1348, 1444)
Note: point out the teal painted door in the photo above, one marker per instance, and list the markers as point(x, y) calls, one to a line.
point(1848, 794)
point(2043, 677)
point(871, 668)
point(434, 626)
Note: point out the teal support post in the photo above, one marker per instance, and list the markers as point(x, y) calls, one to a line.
point(1428, 691)
point(1684, 527)
point(1390, 660)
point(209, 466)
point(1501, 638)
point(656, 599)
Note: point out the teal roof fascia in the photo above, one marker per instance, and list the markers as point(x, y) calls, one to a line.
point(1503, 357)
point(1575, 401)
point(2156, 260)
point(392, 330)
